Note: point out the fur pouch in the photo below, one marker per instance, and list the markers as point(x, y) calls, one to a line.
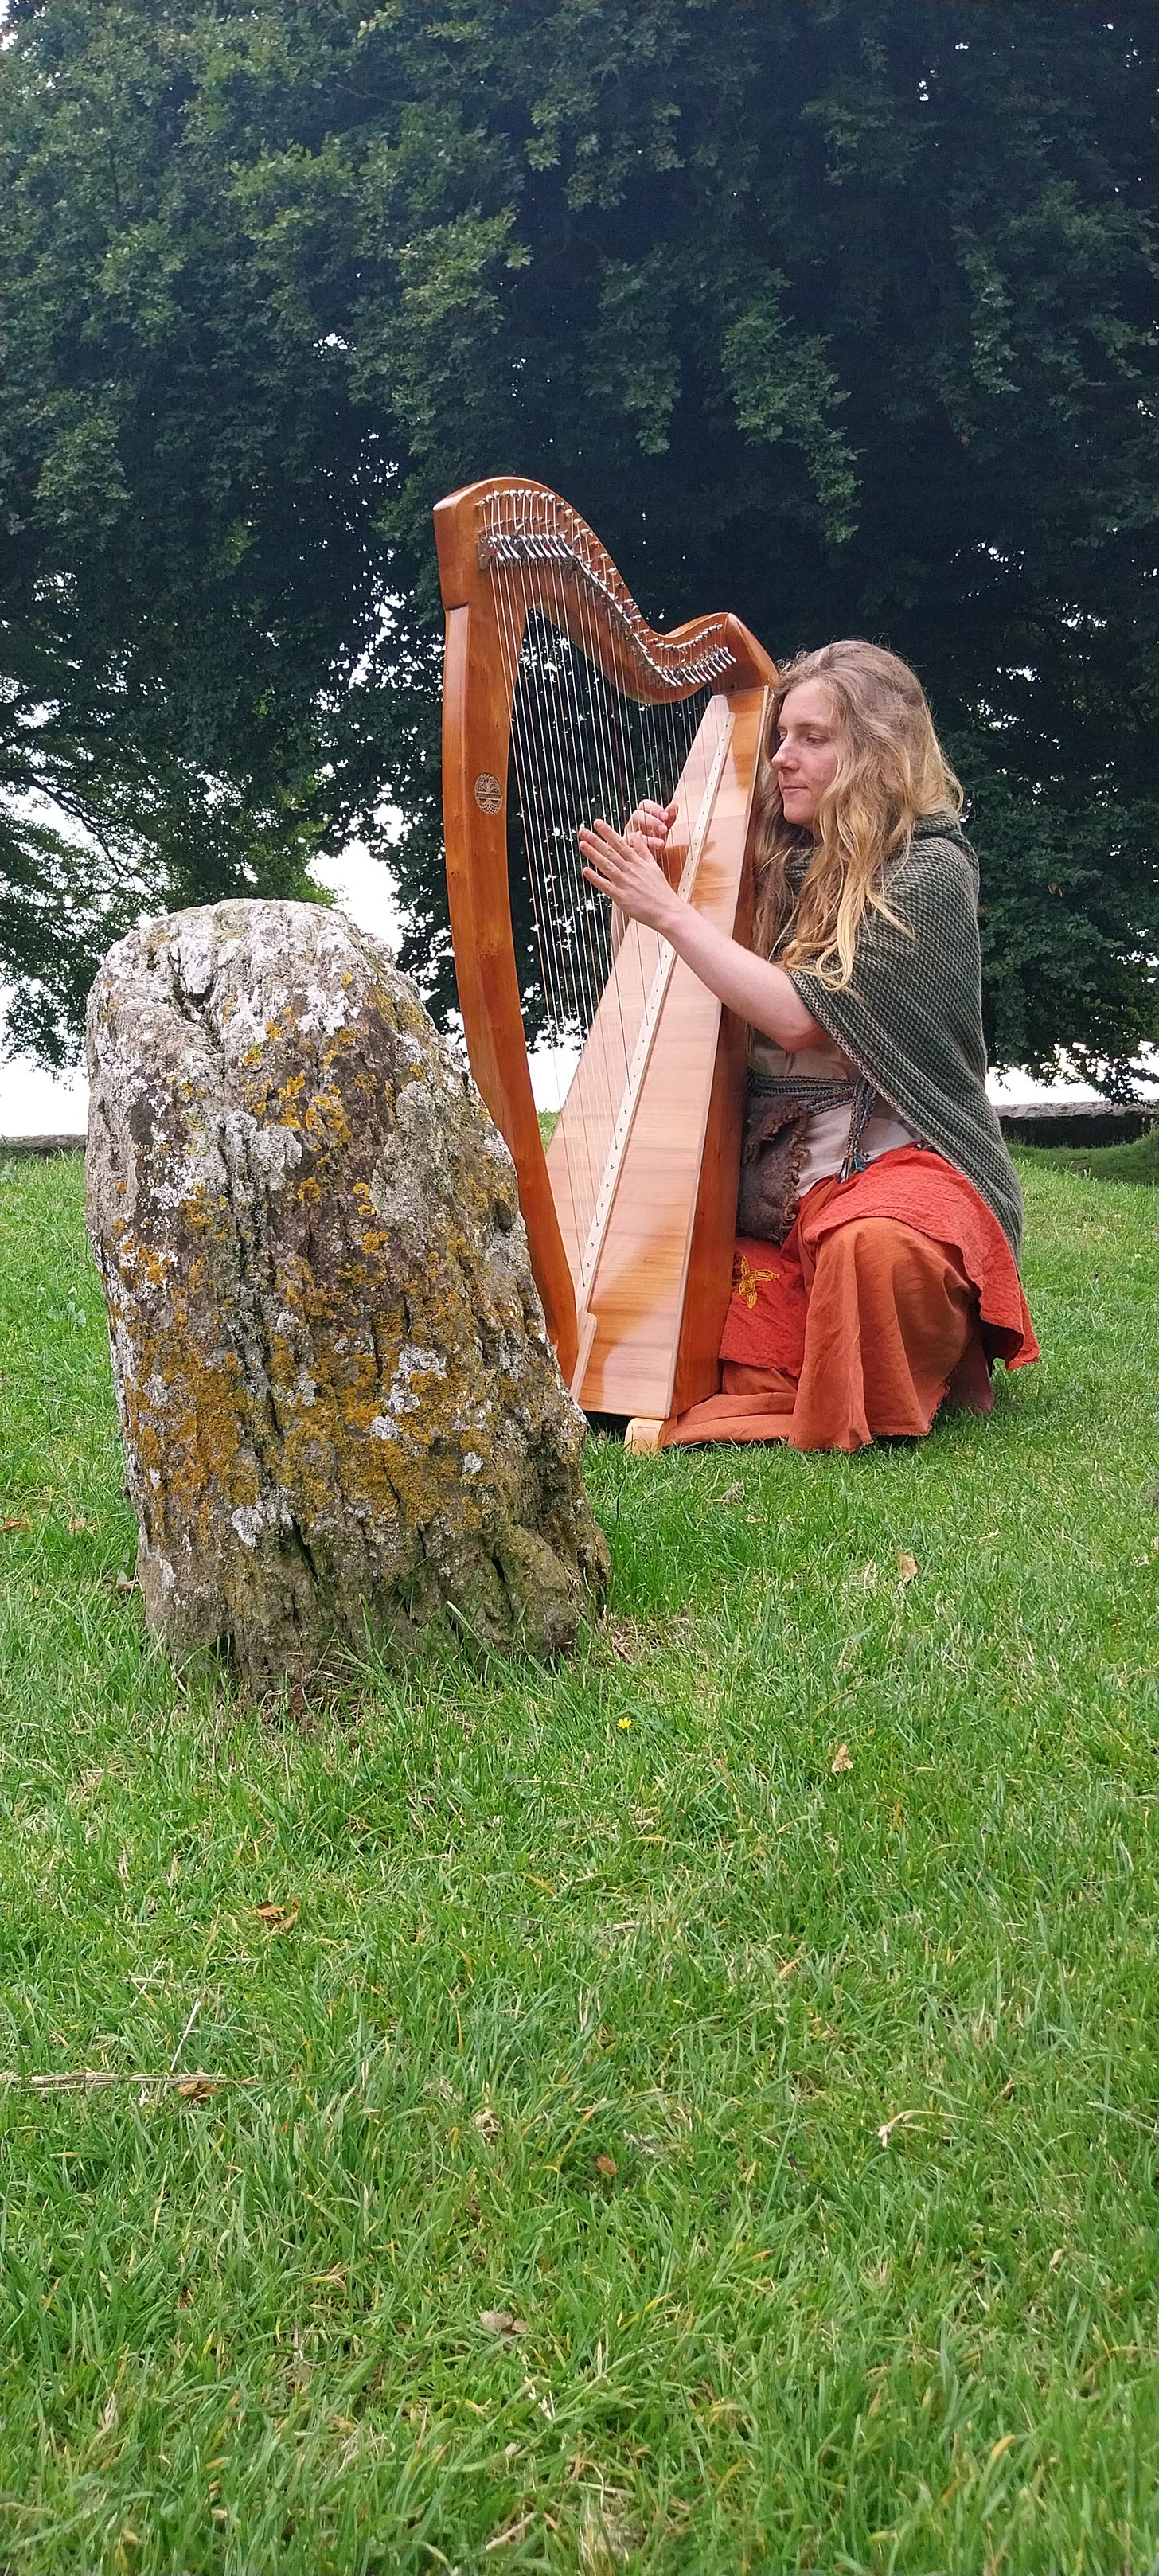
point(773, 1157)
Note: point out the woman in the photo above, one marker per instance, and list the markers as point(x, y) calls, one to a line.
point(880, 1215)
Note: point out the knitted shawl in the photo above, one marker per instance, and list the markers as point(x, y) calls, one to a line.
point(911, 1020)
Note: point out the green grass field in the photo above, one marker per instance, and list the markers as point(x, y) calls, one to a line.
point(1136, 1161)
point(641, 2138)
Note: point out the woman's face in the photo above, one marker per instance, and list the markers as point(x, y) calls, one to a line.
point(807, 752)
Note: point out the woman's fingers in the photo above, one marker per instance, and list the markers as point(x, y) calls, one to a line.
point(599, 856)
point(624, 867)
point(598, 840)
point(653, 821)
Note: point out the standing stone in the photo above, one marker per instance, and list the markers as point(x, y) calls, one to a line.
point(339, 1405)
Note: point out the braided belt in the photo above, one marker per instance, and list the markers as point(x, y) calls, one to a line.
point(808, 1097)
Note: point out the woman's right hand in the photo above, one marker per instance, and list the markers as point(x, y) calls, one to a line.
point(653, 822)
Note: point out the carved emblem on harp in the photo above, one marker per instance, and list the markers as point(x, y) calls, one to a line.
point(488, 792)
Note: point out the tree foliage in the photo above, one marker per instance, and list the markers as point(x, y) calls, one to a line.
point(833, 312)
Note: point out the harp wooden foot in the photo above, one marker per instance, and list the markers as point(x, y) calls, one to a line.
point(642, 1436)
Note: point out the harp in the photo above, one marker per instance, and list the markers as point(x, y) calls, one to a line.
point(560, 704)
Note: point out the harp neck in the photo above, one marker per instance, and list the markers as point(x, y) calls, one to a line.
point(573, 577)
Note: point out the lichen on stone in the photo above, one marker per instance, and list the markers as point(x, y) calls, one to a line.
point(339, 1406)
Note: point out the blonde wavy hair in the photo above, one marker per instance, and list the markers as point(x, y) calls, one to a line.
point(891, 770)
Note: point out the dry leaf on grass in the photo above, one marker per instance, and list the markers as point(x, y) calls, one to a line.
point(907, 1566)
point(902, 2118)
point(77, 1523)
point(606, 2165)
point(842, 1759)
point(501, 2322)
point(197, 2086)
point(513, 2532)
point(488, 2126)
point(604, 2542)
point(15, 1525)
point(623, 1636)
point(279, 1918)
point(632, 1639)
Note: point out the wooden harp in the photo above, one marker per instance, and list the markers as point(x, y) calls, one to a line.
point(559, 704)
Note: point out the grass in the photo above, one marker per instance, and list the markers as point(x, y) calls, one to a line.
point(802, 2120)
point(1136, 1161)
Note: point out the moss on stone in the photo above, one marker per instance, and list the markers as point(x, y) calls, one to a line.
point(338, 1400)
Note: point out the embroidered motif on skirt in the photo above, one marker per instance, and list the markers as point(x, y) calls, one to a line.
point(766, 1318)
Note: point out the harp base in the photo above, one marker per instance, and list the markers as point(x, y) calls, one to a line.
point(642, 1436)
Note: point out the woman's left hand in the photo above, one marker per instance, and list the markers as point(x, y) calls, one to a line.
point(622, 866)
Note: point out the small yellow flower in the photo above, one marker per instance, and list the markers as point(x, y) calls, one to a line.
point(623, 1722)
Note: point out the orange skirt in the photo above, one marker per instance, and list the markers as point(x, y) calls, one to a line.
point(894, 1293)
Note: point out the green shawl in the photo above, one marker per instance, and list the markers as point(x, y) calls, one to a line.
point(911, 1020)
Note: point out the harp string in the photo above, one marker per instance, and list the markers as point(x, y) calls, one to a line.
point(582, 748)
point(573, 722)
point(552, 743)
point(617, 803)
point(581, 743)
point(581, 752)
point(639, 753)
point(616, 786)
point(535, 756)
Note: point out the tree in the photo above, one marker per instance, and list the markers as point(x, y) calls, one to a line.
point(833, 312)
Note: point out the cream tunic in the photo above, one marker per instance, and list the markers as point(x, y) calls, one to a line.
point(828, 1129)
